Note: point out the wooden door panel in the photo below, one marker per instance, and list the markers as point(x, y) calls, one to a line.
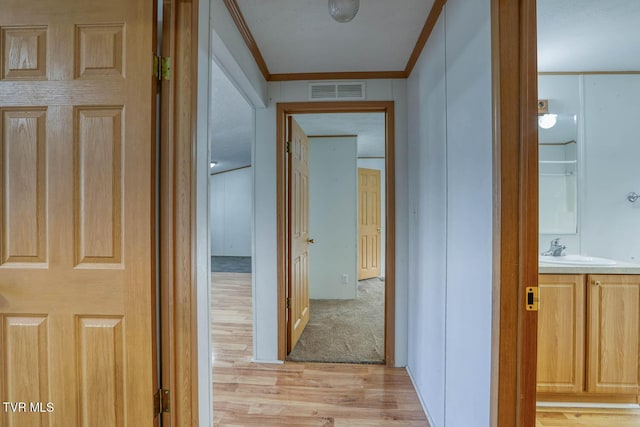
point(561, 333)
point(23, 192)
point(27, 367)
point(98, 185)
point(25, 53)
point(614, 334)
point(369, 223)
point(299, 233)
point(77, 211)
point(101, 370)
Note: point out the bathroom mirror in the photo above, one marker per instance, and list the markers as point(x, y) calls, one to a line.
point(558, 157)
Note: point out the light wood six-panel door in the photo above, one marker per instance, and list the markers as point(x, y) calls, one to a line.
point(369, 223)
point(76, 212)
point(298, 298)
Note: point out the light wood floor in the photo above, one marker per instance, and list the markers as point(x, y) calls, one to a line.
point(296, 394)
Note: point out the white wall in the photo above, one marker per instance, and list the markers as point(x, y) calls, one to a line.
point(610, 224)
point(230, 197)
point(234, 57)
point(428, 225)
point(378, 164)
point(265, 293)
point(451, 217)
point(333, 218)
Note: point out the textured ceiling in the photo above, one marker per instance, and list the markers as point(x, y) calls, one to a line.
point(369, 127)
point(299, 36)
point(588, 35)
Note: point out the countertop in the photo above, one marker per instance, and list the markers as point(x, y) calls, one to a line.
point(620, 267)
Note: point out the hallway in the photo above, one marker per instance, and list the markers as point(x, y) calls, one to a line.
point(296, 394)
point(316, 394)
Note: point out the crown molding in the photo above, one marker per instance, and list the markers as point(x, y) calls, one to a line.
point(346, 75)
point(429, 24)
point(241, 24)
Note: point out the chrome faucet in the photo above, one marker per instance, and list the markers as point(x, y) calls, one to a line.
point(556, 249)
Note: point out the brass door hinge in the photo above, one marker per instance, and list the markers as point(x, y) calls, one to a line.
point(161, 67)
point(288, 302)
point(161, 402)
point(532, 298)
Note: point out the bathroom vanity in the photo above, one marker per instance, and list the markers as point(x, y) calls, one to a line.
point(589, 333)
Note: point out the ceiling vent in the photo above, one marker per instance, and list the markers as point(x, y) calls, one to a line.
point(328, 91)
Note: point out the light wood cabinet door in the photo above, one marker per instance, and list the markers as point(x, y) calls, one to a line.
point(614, 334)
point(561, 332)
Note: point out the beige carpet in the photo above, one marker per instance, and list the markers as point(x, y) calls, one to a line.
point(345, 331)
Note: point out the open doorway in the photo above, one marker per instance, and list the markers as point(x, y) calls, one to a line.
point(346, 229)
point(230, 221)
point(291, 309)
point(588, 358)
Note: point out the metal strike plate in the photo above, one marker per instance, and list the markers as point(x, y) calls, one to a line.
point(532, 298)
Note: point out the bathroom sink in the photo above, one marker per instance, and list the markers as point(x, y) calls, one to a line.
point(576, 260)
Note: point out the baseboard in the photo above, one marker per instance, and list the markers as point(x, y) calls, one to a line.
point(587, 405)
point(422, 403)
point(273, 362)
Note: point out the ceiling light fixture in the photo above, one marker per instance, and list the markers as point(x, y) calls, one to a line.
point(547, 121)
point(343, 10)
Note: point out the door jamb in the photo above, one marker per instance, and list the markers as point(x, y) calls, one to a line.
point(514, 359)
point(288, 108)
point(178, 250)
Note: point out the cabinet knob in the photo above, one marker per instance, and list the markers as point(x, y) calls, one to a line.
point(596, 282)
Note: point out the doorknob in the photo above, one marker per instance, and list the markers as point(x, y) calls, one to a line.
point(378, 229)
point(311, 241)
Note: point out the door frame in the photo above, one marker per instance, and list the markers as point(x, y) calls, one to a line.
point(515, 228)
point(288, 108)
point(515, 97)
point(181, 165)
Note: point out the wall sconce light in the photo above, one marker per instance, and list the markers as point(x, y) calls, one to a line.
point(343, 10)
point(545, 120)
point(212, 164)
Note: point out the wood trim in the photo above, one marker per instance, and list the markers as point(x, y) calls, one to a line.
point(166, 196)
point(586, 397)
point(282, 228)
point(515, 211)
point(177, 214)
point(241, 24)
point(557, 143)
point(431, 21)
point(156, 323)
point(230, 170)
point(340, 75)
point(284, 109)
point(332, 136)
point(390, 238)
